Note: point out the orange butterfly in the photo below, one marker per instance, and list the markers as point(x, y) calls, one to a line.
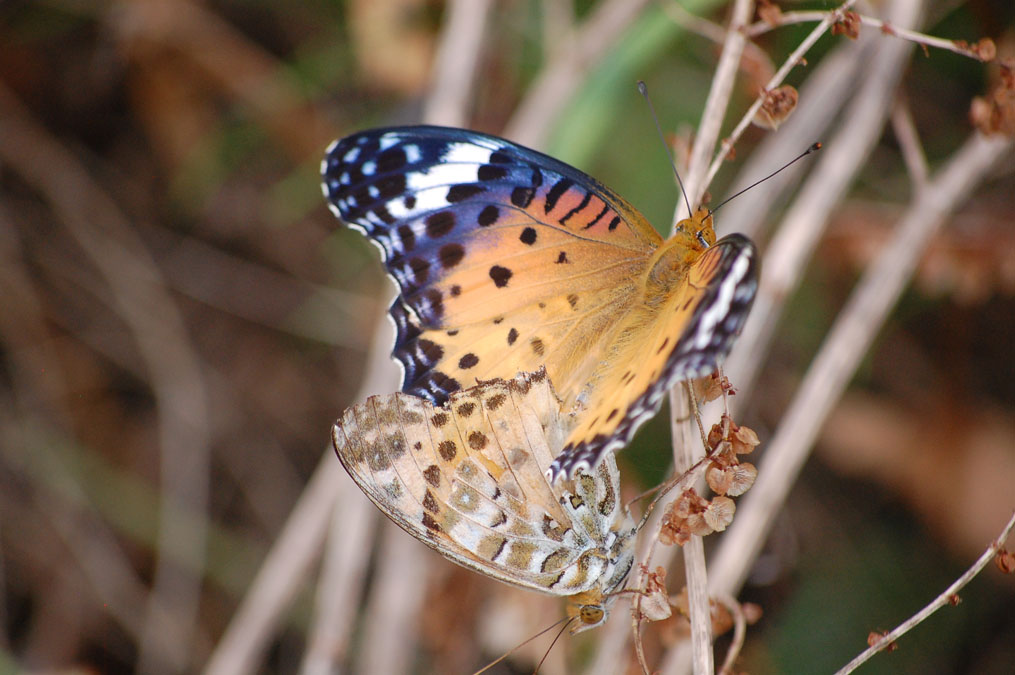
point(508, 260)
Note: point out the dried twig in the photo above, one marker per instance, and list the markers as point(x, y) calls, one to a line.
point(295, 549)
point(822, 97)
point(777, 79)
point(789, 18)
point(343, 572)
point(280, 577)
point(801, 228)
point(458, 56)
point(848, 340)
point(946, 598)
point(684, 437)
point(685, 442)
point(697, 179)
point(909, 143)
point(736, 610)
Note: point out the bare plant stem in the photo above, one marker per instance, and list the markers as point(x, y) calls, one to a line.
point(801, 228)
point(715, 105)
point(739, 632)
point(343, 573)
point(777, 79)
point(684, 438)
point(847, 342)
point(283, 572)
point(945, 599)
point(909, 143)
point(458, 57)
point(762, 27)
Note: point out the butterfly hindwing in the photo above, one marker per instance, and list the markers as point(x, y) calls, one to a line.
point(468, 479)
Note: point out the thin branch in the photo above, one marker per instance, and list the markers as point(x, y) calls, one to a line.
point(685, 442)
point(684, 439)
point(909, 143)
point(343, 572)
point(296, 548)
point(822, 98)
point(791, 62)
point(946, 598)
point(736, 610)
point(715, 106)
point(847, 342)
point(393, 608)
point(801, 228)
point(281, 575)
point(558, 28)
point(458, 57)
point(789, 18)
point(709, 30)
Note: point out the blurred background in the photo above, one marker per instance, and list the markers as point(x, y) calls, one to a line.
point(182, 320)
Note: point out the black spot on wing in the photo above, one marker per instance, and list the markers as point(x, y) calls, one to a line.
point(488, 216)
point(489, 172)
point(439, 224)
point(407, 238)
point(450, 255)
point(500, 275)
point(522, 196)
point(459, 193)
point(447, 450)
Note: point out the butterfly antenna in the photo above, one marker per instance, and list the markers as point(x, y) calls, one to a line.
point(814, 148)
point(566, 621)
point(643, 90)
point(559, 633)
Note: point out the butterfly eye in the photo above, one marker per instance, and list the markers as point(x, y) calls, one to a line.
point(590, 615)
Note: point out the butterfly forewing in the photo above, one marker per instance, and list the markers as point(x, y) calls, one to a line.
point(468, 479)
point(496, 250)
point(508, 260)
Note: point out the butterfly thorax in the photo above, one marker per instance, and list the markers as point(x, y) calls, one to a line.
point(675, 256)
